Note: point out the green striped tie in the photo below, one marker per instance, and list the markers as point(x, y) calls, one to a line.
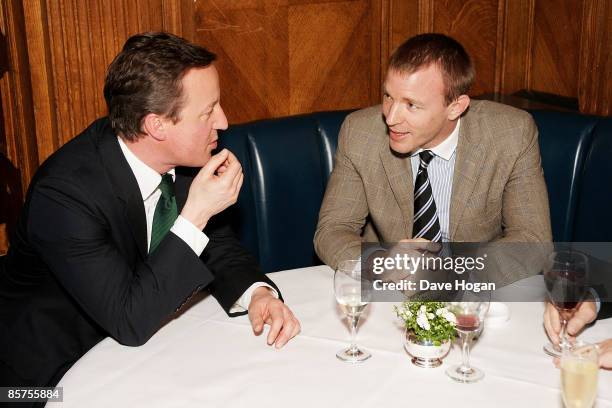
point(165, 212)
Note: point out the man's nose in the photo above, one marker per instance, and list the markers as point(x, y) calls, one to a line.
point(392, 116)
point(221, 120)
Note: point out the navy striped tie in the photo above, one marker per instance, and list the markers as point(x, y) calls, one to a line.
point(425, 224)
point(165, 212)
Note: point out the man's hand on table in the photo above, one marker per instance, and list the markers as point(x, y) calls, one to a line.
point(605, 355)
point(586, 313)
point(267, 309)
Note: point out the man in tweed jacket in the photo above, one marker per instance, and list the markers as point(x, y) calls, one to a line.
point(489, 186)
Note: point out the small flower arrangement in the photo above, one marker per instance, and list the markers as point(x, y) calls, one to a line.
point(429, 321)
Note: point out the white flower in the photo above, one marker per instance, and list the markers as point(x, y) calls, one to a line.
point(450, 317)
point(430, 315)
point(422, 321)
point(441, 311)
point(422, 318)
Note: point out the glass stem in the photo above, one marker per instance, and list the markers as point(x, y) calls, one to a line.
point(563, 335)
point(465, 352)
point(353, 321)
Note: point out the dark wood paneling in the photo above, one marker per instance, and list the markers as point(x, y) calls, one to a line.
point(516, 45)
point(595, 73)
point(556, 45)
point(19, 157)
point(474, 24)
point(282, 58)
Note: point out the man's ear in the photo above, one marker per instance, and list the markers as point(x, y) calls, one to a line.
point(154, 126)
point(458, 107)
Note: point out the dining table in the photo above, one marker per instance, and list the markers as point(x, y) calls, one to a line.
point(203, 358)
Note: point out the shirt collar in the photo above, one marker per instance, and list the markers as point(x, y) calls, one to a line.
point(445, 149)
point(148, 179)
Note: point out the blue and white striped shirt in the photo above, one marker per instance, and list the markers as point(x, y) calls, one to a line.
point(440, 172)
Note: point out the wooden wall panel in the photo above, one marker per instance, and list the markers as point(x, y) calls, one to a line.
point(474, 23)
point(279, 58)
point(559, 47)
point(556, 47)
point(18, 155)
point(55, 54)
point(595, 73)
point(516, 45)
point(71, 43)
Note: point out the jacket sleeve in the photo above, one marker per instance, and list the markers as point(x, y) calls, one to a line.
point(234, 268)
point(130, 302)
point(525, 211)
point(344, 209)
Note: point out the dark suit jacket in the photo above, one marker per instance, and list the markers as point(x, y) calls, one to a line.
point(78, 269)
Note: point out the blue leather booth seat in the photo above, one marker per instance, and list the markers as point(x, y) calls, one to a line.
point(593, 219)
point(564, 142)
point(287, 162)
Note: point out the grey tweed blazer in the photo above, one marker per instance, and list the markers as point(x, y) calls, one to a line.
point(498, 190)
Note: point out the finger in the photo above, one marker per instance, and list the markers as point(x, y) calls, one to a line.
point(557, 362)
point(231, 157)
point(215, 162)
point(239, 186)
point(276, 316)
point(553, 334)
point(575, 324)
point(288, 328)
point(605, 354)
point(587, 312)
point(285, 334)
point(236, 183)
point(257, 322)
point(297, 328)
point(233, 170)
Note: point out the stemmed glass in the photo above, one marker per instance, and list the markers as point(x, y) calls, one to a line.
point(470, 314)
point(565, 278)
point(579, 369)
point(353, 301)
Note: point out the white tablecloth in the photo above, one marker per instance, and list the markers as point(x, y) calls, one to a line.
point(206, 359)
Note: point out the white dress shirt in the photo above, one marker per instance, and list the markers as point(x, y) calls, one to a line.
point(440, 173)
point(148, 182)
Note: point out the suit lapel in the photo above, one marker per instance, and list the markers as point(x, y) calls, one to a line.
point(468, 165)
point(124, 184)
point(399, 173)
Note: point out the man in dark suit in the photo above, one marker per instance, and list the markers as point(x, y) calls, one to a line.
point(120, 226)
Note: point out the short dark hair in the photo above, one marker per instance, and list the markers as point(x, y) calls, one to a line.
point(145, 77)
point(445, 52)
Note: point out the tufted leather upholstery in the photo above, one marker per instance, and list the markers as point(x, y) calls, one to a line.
point(593, 214)
point(564, 141)
point(287, 162)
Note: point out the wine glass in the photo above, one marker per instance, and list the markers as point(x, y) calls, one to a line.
point(353, 301)
point(565, 278)
point(470, 314)
point(579, 370)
